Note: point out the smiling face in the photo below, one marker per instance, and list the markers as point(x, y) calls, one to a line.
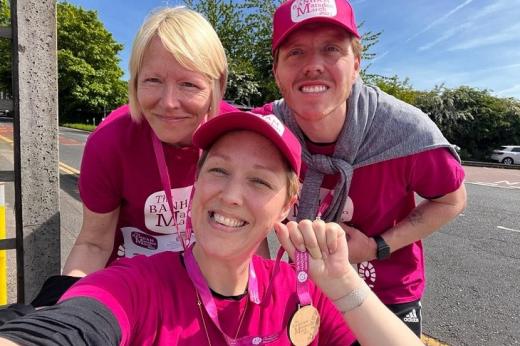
point(241, 191)
point(315, 70)
point(173, 100)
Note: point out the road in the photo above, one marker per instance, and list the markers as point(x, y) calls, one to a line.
point(473, 264)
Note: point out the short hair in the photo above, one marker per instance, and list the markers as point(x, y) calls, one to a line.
point(192, 41)
point(293, 181)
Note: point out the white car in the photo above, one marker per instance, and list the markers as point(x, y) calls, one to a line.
point(507, 154)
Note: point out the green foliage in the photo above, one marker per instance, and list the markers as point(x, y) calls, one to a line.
point(89, 77)
point(401, 89)
point(473, 119)
point(88, 71)
point(77, 126)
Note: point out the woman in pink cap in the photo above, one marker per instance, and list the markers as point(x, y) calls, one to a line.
point(217, 292)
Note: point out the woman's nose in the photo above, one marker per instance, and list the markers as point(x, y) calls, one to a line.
point(170, 97)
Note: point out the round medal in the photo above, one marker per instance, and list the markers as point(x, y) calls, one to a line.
point(304, 325)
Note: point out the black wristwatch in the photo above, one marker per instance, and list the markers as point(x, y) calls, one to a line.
point(383, 250)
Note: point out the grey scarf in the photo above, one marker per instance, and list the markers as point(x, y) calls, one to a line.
point(378, 127)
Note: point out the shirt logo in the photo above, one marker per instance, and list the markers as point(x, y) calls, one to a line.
point(305, 9)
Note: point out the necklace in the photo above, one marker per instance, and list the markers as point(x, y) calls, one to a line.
point(199, 304)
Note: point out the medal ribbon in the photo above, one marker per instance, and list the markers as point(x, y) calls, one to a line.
point(302, 277)
point(324, 205)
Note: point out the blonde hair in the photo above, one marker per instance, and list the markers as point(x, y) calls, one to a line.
point(192, 41)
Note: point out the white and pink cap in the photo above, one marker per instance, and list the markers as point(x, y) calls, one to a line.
point(293, 14)
point(268, 126)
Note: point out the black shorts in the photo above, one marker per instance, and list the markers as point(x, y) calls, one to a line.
point(410, 314)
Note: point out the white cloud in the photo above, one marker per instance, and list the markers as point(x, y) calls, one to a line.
point(437, 21)
point(509, 34)
point(514, 89)
point(448, 34)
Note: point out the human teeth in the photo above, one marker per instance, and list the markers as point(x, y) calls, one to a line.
point(227, 221)
point(314, 88)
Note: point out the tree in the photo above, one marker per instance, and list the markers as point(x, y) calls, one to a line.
point(227, 18)
point(89, 77)
point(88, 72)
point(245, 31)
point(5, 50)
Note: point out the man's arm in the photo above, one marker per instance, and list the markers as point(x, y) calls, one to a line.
point(426, 218)
point(94, 244)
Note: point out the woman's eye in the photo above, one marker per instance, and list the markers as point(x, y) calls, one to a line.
point(189, 85)
point(261, 182)
point(152, 80)
point(217, 170)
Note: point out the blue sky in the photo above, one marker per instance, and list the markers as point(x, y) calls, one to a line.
point(456, 42)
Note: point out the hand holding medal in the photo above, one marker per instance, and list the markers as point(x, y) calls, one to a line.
point(327, 249)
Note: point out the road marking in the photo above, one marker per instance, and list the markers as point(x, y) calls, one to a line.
point(429, 341)
point(509, 229)
point(63, 167)
point(5, 139)
point(68, 169)
point(493, 185)
point(506, 182)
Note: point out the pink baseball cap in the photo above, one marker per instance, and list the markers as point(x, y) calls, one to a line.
point(292, 14)
point(268, 126)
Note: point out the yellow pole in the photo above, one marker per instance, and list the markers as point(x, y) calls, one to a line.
point(3, 255)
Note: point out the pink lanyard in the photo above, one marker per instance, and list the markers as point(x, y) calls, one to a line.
point(324, 204)
point(202, 288)
point(165, 181)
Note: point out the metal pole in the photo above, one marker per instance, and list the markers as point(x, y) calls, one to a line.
point(3, 253)
point(36, 143)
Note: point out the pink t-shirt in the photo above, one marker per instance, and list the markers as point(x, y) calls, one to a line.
point(382, 194)
point(119, 170)
point(155, 303)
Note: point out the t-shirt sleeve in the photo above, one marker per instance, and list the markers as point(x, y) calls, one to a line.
point(264, 110)
point(225, 107)
point(100, 180)
point(333, 328)
point(120, 288)
point(436, 173)
point(75, 322)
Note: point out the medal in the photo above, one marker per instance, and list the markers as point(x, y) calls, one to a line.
point(304, 325)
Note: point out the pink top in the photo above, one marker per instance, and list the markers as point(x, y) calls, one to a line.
point(119, 170)
point(381, 195)
point(155, 303)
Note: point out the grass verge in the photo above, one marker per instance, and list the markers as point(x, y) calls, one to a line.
point(77, 126)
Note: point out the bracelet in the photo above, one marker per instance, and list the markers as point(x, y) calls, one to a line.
point(352, 299)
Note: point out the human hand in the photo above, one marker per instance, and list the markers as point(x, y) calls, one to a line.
point(360, 247)
point(328, 253)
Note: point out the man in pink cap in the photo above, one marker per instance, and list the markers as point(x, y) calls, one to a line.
point(366, 154)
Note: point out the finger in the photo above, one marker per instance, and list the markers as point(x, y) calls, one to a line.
point(306, 229)
point(282, 233)
point(319, 227)
point(296, 236)
point(332, 231)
